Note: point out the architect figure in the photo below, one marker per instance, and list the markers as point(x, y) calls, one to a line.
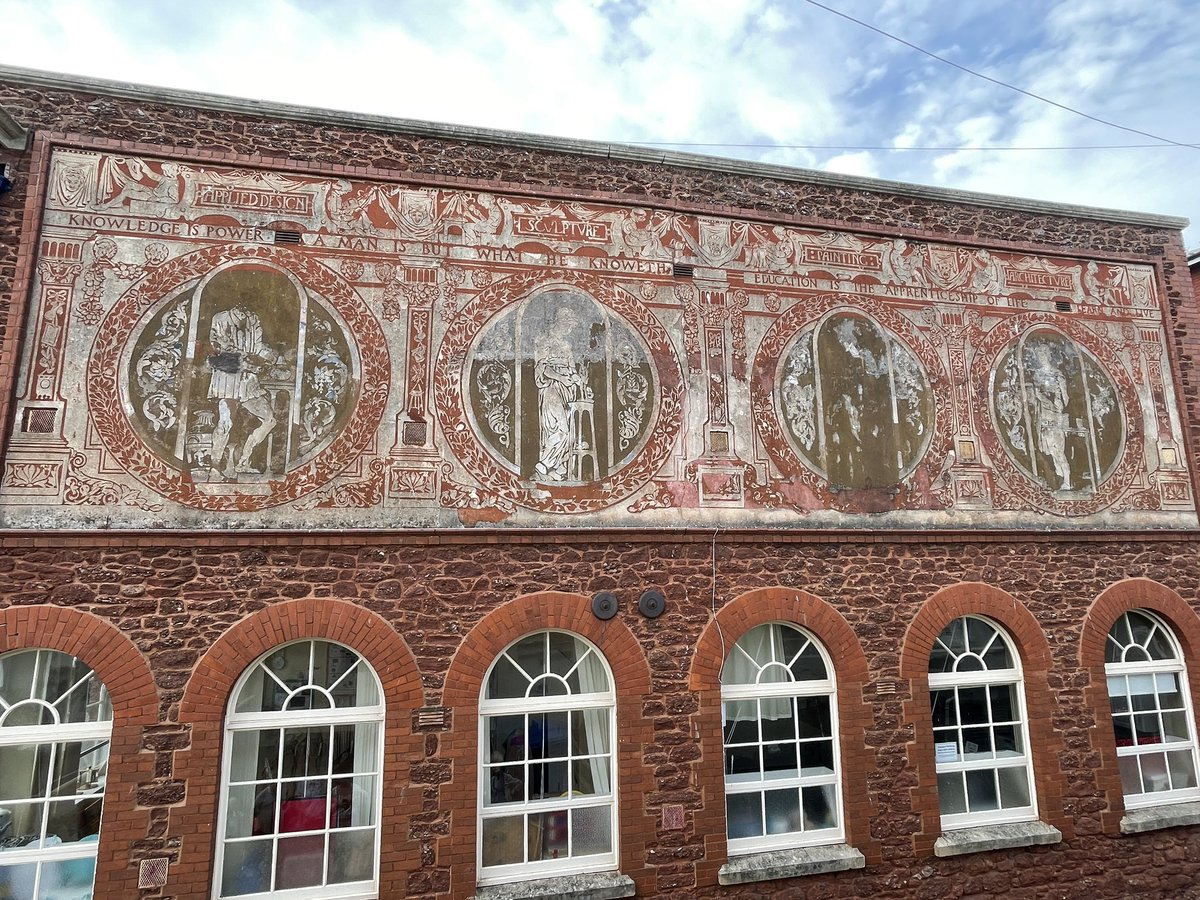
point(558, 381)
point(239, 352)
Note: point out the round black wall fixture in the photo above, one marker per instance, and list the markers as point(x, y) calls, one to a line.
point(604, 605)
point(652, 603)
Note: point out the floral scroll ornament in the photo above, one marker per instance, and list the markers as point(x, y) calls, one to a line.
point(495, 387)
point(632, 393)
point(328, 380)
point(799, 399)
point(157, 369)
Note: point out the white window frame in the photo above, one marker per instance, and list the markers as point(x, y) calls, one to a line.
point(824, 687)
point(1153, 668)
point(606, 700)
point(54, 735)
point(278, 721)
point(987, 678)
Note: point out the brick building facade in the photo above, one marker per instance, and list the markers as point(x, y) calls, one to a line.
point(371, 464)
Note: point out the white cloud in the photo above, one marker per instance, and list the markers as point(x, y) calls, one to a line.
point(750, 71)
point(859, 163)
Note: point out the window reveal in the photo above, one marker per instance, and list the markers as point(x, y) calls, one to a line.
point(779, 722)
point(547, 767)
point(55, 727)
point(300, 810)
point(981, 742)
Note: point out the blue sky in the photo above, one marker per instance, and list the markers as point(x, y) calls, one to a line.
point(780, 75)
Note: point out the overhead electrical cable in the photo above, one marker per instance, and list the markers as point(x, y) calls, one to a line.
point(997, 81)
point(900, 149)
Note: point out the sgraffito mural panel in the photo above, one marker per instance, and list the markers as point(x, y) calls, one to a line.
point(210, 346)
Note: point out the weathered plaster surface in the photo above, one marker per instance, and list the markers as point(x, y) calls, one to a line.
point(216, 346)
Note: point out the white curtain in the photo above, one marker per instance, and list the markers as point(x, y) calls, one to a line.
point(594, 679)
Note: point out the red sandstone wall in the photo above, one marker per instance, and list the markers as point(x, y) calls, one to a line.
point(174, 601)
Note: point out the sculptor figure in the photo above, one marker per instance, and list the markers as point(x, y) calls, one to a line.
point(239, 352)
point(559, 382)
point(1050, 405)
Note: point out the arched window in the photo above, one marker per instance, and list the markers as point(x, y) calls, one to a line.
point(780, 735)
point(980, 733)
point(301, 776)
point(55, 725)
point(1151, 711)
point(547, 765)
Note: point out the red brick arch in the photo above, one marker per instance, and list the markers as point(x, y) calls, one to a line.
point(126, 674)
point(1115, 601)
point(463, 687)
point(1046, 748)
point(207, 696)
point(855, 715)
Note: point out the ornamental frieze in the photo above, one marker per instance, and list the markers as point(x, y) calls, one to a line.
point(224, 346)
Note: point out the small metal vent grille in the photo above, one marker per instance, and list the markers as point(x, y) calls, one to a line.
point(1062, 305)
point(430, 717)
point(38, 420)
point(287, 237)
point(413, 434)
point(420, 274)
point(152, 873)
point(683, 270)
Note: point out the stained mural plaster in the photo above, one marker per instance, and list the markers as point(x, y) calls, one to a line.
point(235, 348)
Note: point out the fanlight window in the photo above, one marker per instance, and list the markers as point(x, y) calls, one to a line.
point(547, 768)
point(981, 741)
point(780, 735)
point(300, 810)
point(1151, 711)
point(55, 726)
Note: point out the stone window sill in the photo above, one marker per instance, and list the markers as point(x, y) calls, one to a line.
point(1151, 818)
point(795, 863)
point(983, 838)
point(592, 886)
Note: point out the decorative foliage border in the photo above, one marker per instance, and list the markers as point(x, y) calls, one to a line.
point(121, 324)
point(448, 391)
point(764, 381)
point(993, 344)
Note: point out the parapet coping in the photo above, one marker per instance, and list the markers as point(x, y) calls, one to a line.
point(795, 863)
point(574, 146)
point(995, 837)
point(590, 886)
point(1152, 818)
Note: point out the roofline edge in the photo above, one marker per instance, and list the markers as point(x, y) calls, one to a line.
point(630, 152)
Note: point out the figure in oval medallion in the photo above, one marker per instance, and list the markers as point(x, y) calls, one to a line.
point(1057, 412)
point(560, 389)
point(855, 402)
point(241, 379)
